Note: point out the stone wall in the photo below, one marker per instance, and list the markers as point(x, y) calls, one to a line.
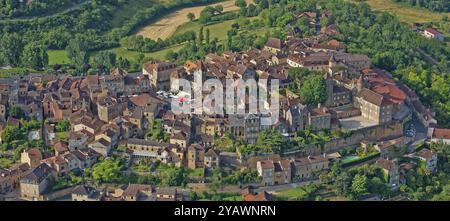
point(393, 129)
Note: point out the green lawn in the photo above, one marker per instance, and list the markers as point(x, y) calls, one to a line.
point(233, 198)
point(64, 136)
point(57, 57)
point(217, 30)
point(291, 193)
point(199, 172)
point(349, 158)
point(132, 55)
point(6, 73)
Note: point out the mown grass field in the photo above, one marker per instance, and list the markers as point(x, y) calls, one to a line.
point(57, 57)
point(291, 194)
point(217, 30)
point(60, 56)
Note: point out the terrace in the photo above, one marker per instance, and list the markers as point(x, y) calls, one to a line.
point(356, 123)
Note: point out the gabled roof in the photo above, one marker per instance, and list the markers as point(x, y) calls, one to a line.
point(211, 153)
point(261, 196)
point(425, 153)
point(385, 164)
point(38, 174)
point(433, 31)
point(441, 133)
point(373, 97)
point(266, 164)
point(274, 43)
point(134, 189)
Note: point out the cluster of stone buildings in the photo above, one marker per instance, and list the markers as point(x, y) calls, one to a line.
point(119, 109)
point(128, 192)
point(292, 170)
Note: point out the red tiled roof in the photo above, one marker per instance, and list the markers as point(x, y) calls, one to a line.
point(262, 196)
point(385, 164)
point(433, 31)
point(425, 153)
point(267, 164)
point(441, 133)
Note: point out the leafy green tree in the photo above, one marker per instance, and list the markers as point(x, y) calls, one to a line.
point(62, 126)
point(313, 90)
point(16, 112)
point(107, 171)
point(176, 177)
point(219, 8)
point(77, 51)
point(359, 186)
point(191, 16)
point(12, 133)
point(240, 3)
point(193, 196)
point(206, 14)
point(157, 132)
point(11, 47)
point(35, 56)
point(271, 141)
point(105, 60)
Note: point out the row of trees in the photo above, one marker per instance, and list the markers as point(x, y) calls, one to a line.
point(14, 8)
point(197, 48)
point(14, 52)
point(141, 44)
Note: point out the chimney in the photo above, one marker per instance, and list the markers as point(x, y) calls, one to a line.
point(319, 105)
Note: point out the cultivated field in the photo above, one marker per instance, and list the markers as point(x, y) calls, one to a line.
point(167, 25)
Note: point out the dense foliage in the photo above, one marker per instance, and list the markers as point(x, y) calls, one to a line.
point(15, 8)
point(434, 5)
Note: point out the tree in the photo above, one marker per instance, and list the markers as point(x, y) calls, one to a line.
point(35, 56)
point(11, 48)
point(157, 132)
point(176, 177)
point(271, 141)
point(359, 185)
point(240, 3)
point(200, 37)
point(191, 16)
point(62, 126)
point(206, 14)
point(107, 171)
point(219, 8)
point(105, 60)
point(207, 36)
point(16, 112)
point(76, 51)
point(11, 133)
point(193, 196)
point(314, 90)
